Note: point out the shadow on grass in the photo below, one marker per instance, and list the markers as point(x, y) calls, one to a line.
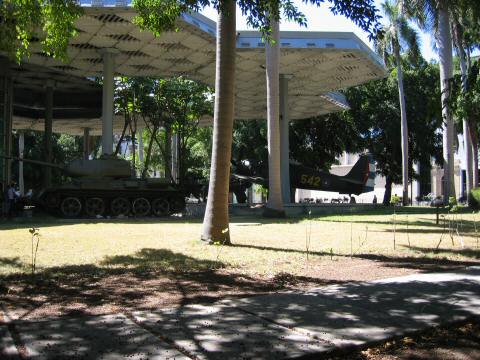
point(469, 253)
point(161, 259)
point(11, 262)
point(410, 262)
point(148, 279)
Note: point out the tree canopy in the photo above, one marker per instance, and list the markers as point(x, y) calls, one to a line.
point(161, 15)
point(50, 23)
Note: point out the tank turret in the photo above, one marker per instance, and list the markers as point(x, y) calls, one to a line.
point(105, 187)
point(105, 167)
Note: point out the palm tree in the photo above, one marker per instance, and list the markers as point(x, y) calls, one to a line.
point(467, 140)
point(434, 16)
point(274, 206)
point(397, 37)
point(464, 17)
point(215, 222)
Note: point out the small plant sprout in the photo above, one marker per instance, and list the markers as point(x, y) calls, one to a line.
point(308, 234)
point(220, 245)
point(458, 230)
point(394, 229)
point(35, 233)
point(351, 238)
point(475, 227)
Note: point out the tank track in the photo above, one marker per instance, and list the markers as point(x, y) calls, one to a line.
point(73, 203)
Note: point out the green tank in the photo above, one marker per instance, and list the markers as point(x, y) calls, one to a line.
point(105, 187)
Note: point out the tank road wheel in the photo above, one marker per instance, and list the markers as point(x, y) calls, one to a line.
point(94, 206)
point(160, 207)
point(120, 206)
point(71, 207)
point(141, 207)
point(177, 205)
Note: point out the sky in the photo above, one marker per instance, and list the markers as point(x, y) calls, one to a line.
point(321, 19)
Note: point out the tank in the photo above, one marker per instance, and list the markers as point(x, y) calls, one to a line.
point(105, 187)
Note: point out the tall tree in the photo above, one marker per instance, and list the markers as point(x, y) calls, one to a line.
point(373, 105)
point(435, 16)
point(398, 36)
point(216, 224)
point(467, 140)
point(465, 104)
point(466, 31)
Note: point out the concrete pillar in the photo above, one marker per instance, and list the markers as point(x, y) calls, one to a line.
point(284, 139)
point(274, 207)
point(21, 148)
point(48, 132)
point(140, 144)
point(86, 143)
point(107, 99)
point(7, 128)
point(175, 153)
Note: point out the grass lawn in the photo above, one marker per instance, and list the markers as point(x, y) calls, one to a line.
point(259, 247)
point(91, 265)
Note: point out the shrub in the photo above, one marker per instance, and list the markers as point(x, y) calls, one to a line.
point(475, 199)
point(395, 200)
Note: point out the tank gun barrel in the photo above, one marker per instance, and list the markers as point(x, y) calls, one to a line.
point(102, 168)
point(36, 162)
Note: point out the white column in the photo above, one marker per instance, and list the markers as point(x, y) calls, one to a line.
point(175, 169)
point(284, 138)
point(272, 51)
point(107, 99)
point(48, 127)
point(21, 148)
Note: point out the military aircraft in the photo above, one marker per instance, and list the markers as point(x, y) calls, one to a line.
point(360, 179)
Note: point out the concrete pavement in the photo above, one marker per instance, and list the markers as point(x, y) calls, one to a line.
point(285, 325)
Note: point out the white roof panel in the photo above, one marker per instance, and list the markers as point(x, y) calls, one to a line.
point(318, 62)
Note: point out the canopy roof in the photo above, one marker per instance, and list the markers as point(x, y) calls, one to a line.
point(318, 62)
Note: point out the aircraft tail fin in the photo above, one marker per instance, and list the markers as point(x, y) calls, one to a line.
point(364, 171)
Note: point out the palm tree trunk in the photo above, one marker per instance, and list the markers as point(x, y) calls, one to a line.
point(404, 125)
point(467, 145)
point(474, 137)
point(274, 206)
point(467, 142)
point(215, 222)
point(444, 44)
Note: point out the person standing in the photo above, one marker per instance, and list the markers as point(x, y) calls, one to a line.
point(11, 200)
